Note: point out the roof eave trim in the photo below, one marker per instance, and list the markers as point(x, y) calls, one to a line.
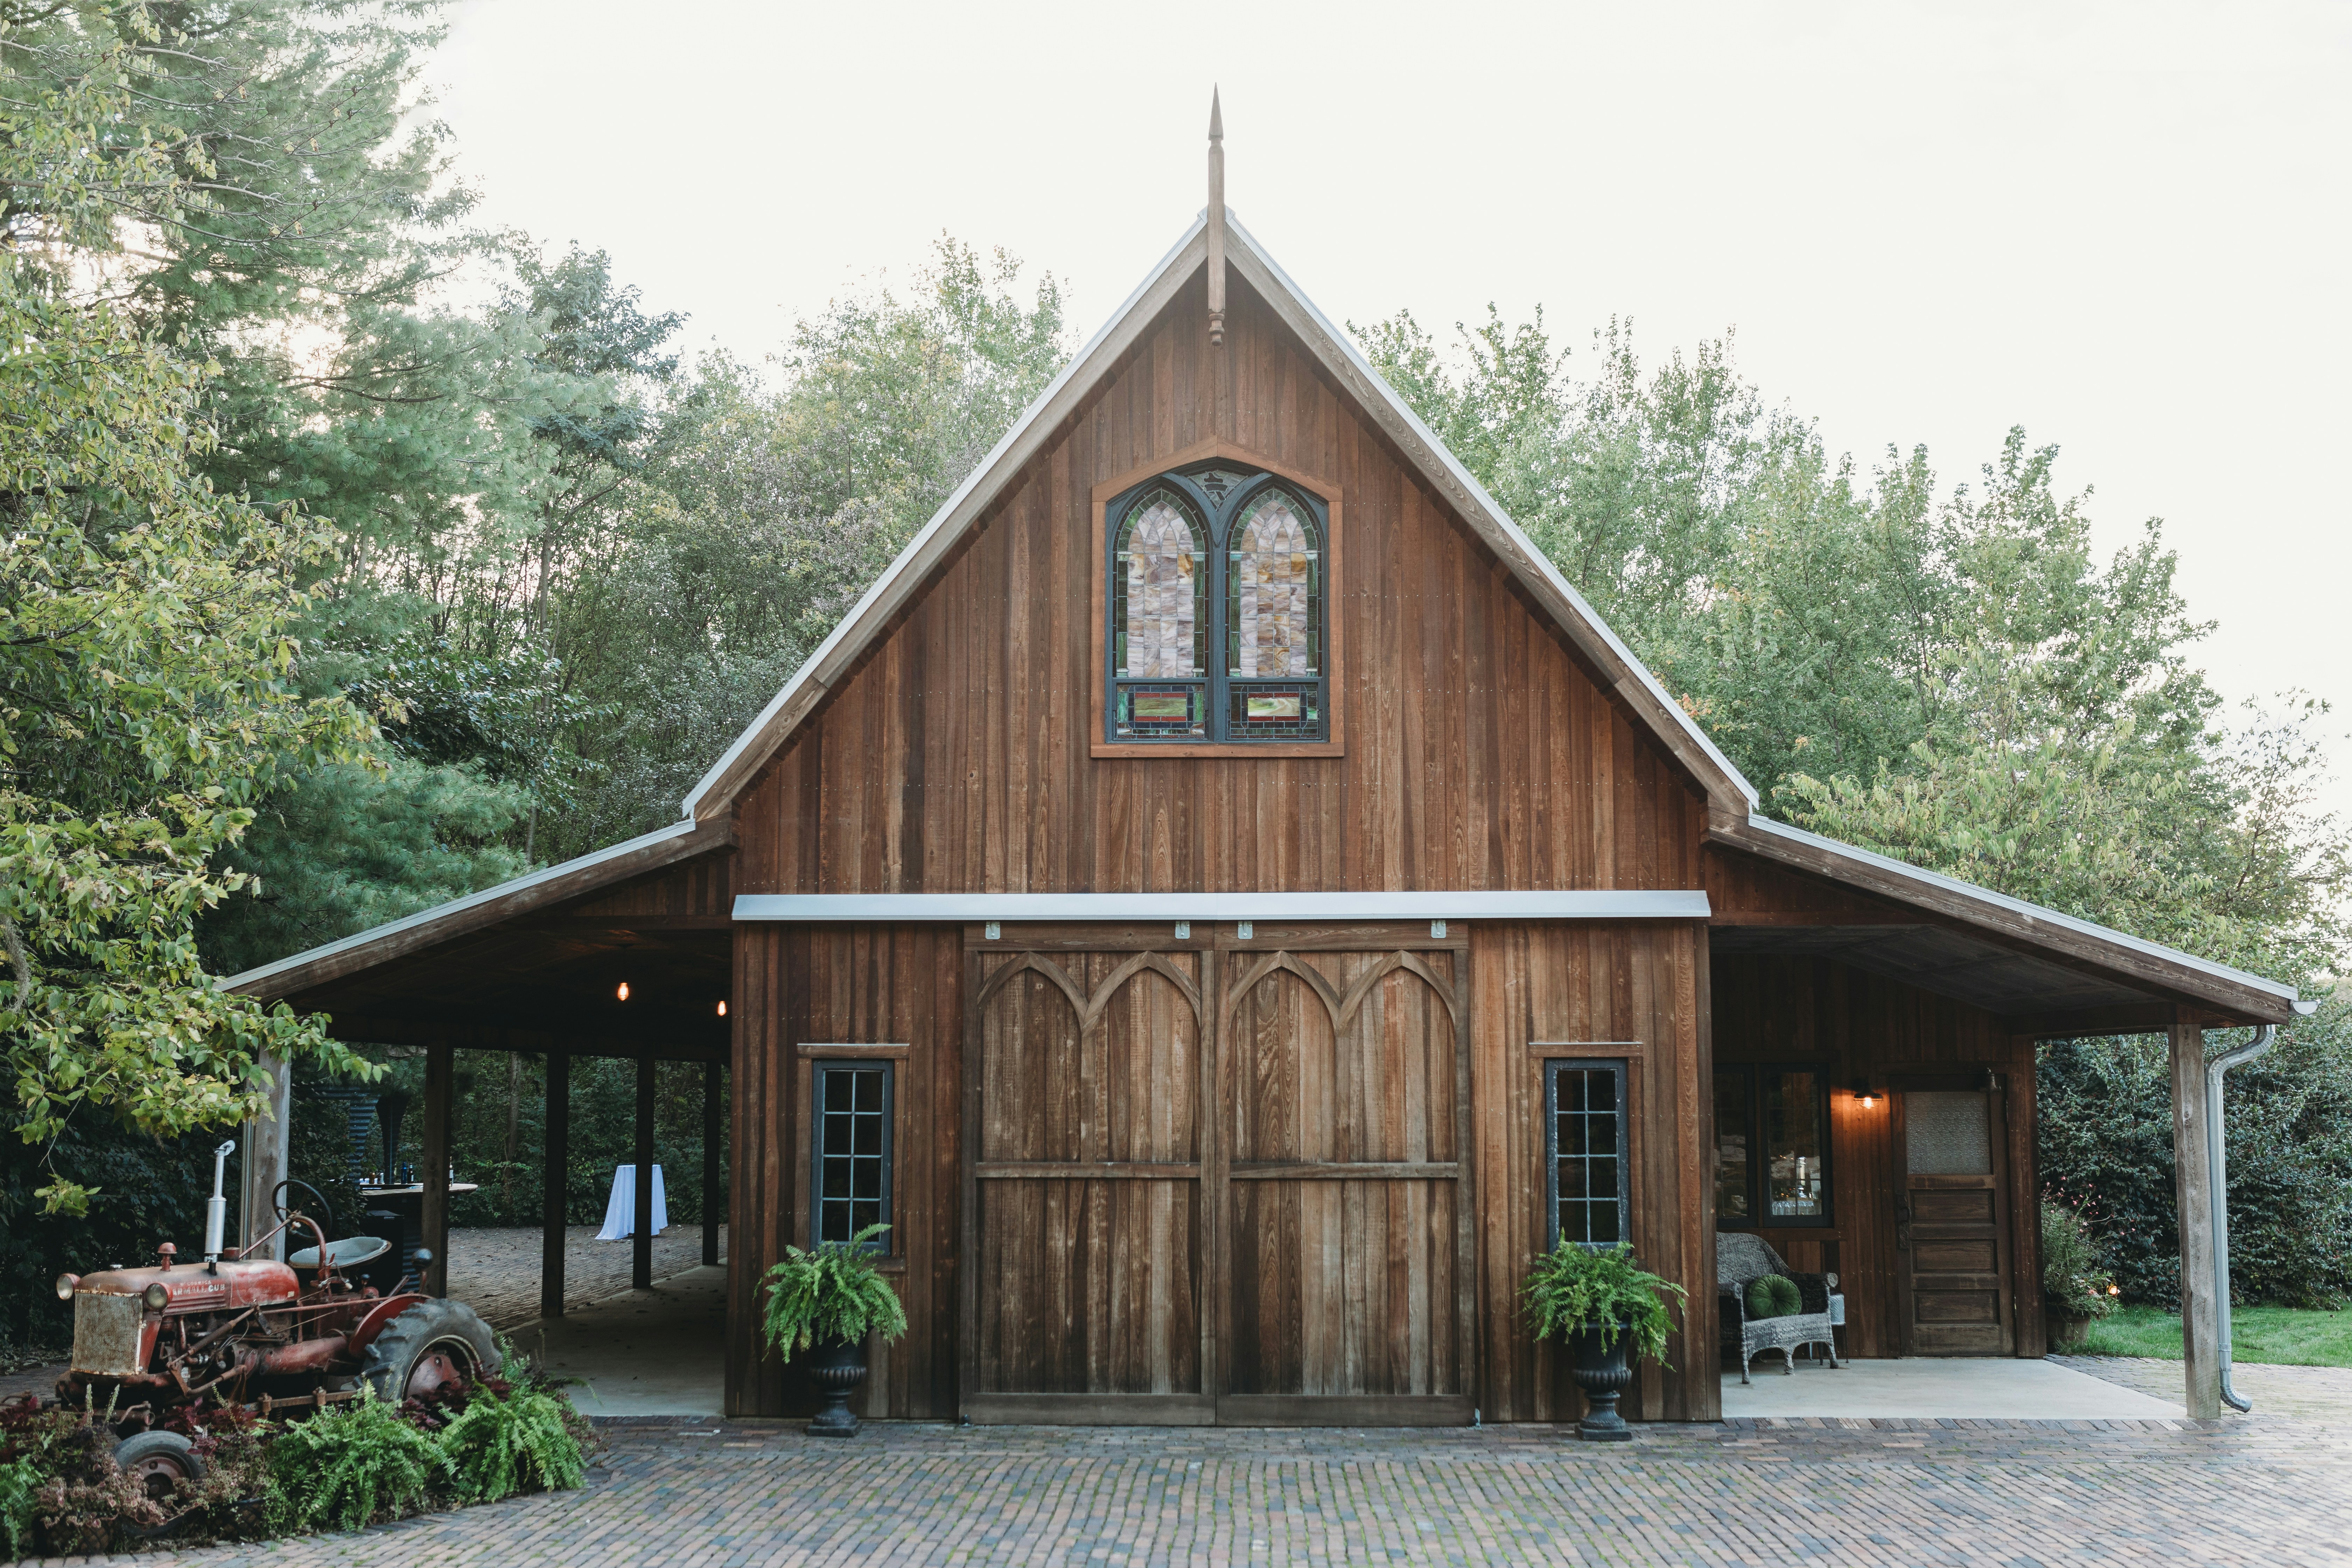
point(2037, 913)
point(1468, 490)
point(1610, 904)
point(874, 607)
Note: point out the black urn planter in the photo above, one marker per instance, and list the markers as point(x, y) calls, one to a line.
point(1603, 1374)
point(837, 1370)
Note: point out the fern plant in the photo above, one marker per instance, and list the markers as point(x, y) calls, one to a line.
point(1574, 1287)
point(503, 1444)
point(344, 1467)
point(831, 1294)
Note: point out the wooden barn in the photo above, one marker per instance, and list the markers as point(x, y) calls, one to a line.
point(1225, 901)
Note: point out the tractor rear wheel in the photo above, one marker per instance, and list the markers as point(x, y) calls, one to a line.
point(432, 1344)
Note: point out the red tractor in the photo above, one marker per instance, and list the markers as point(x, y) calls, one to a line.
point(275, 1337)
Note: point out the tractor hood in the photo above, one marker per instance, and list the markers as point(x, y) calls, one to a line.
point(114, 1333)
point(193, 1287)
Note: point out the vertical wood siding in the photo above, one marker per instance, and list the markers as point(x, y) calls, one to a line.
point(858, 984)
point(1541, 992)
point(1479, 752)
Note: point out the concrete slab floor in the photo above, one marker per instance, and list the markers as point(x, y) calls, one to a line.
point(659, 1352)
point(1939, 1388)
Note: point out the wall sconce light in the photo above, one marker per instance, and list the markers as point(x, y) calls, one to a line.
point(722, 1007)
point(1863, 1094)
point(621, 991)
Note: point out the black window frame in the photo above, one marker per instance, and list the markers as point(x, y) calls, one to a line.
point(1618, 1068)
point(1759, 1156)
point(1218, 685)
point(819, 1070)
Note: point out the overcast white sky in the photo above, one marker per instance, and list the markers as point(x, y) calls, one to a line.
point(2123, 227)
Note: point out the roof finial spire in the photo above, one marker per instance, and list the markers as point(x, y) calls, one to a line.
point(1216, 222)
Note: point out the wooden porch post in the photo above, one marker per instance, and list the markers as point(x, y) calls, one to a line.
point(263, 1160)
point(641, 1240)
point(2192, 1182)
point(557, 1159)
point(440, 1070)
point(713, 1199)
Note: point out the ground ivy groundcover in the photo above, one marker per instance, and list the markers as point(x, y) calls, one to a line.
point(61, 1492)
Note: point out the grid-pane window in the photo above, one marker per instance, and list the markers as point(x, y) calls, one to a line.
point(1584, 1143)
point(1772, 1143)
point(851, 1177)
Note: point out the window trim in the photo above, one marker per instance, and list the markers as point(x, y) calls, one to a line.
point(1319, 493)
point(838, 1054)
point(1623, 1067)
point(1758, 1157)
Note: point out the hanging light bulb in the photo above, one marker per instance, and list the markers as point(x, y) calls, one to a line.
point(722, 1007)
point(624, 992)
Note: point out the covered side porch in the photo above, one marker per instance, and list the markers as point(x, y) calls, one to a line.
point(625, 954)
point(1872, 1111)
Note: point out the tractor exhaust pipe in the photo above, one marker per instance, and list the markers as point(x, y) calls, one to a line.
point(216, 1210)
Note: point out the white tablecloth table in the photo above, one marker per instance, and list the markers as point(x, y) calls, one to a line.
point(621, 1209)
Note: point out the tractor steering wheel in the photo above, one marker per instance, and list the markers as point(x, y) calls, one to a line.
point(277, 1202)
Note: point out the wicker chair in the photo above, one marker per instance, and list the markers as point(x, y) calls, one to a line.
point(1740, 1257)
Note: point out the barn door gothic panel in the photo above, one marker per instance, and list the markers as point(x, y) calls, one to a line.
point(1343, 1097)
point(1083, 1229)
point(1300, 1254)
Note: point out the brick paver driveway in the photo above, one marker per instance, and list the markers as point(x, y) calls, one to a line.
point(2269, 1491)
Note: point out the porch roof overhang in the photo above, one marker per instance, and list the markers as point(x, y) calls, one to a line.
point(518, 967)
point(2046, 973)
point(1675, 904)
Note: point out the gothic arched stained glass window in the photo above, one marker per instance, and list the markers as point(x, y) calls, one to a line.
point(1254, 594)
point(1159, 621)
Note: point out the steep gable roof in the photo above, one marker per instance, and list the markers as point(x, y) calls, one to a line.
point(1728, 793)
point(1734, 819)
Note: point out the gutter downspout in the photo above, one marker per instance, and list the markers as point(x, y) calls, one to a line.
point(2217, 1164)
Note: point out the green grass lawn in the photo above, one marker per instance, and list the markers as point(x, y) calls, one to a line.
point(2282, 1335)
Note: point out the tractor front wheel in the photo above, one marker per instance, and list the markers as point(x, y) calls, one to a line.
point(155, 1462)
point(432, 1344)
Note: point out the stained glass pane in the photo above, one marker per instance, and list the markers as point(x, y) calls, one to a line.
point(1160, 621)
point(1151, 711)
point(1275, 713)
point(1274, 612)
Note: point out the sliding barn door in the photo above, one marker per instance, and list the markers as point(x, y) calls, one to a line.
point(1083, 1256)
point(1343, 1087)
point(1217, 1184)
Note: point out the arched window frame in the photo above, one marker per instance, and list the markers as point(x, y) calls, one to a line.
point(1226, 725)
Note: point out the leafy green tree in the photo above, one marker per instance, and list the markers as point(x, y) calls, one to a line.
point(147, 695)
point(763, 509)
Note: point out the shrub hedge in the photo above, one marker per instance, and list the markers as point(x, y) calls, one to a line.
point(2105, 1150)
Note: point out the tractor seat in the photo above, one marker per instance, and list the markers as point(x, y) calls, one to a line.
point(349, 1253)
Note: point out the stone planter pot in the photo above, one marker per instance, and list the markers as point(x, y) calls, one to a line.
point(836, 1370)
point(2066, 1333)
point(1603, 1375)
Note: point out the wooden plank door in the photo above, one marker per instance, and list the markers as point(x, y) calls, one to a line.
point(1085, 1264)
point(1343, 1096)
point(1951, 1232)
